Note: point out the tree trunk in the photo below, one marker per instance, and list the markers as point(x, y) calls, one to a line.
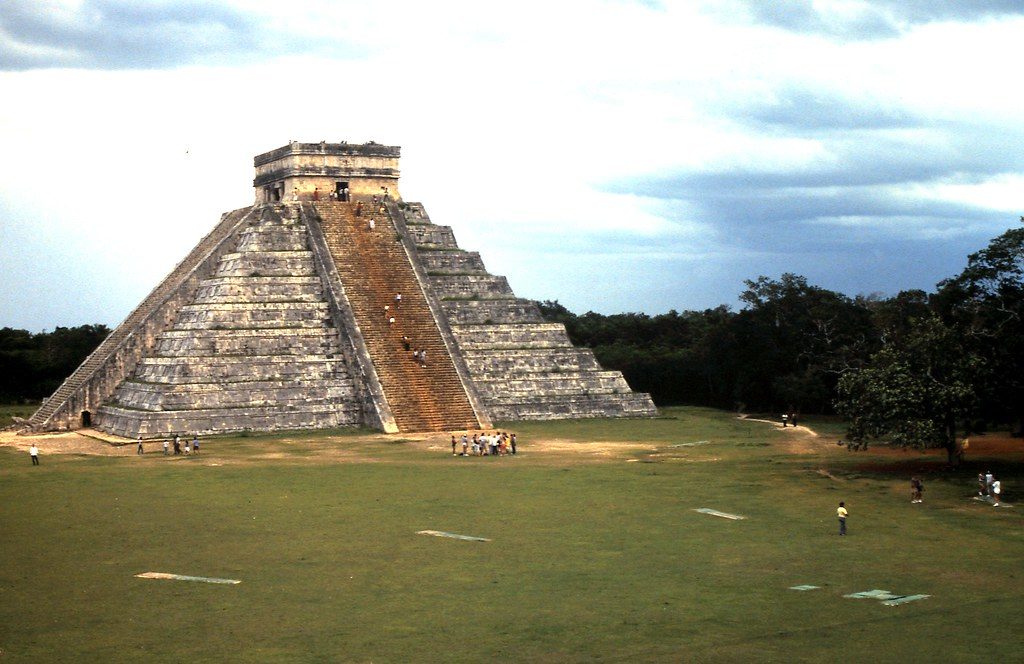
point(952, 449)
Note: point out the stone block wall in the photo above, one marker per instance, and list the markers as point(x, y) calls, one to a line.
point(255, 349)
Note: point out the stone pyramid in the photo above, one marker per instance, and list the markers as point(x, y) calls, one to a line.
point(286, 317)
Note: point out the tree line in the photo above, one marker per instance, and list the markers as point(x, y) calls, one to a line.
point(33, 365)
point(917, 368)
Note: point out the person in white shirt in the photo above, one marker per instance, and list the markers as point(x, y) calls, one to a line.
point(997, 488)
point(34, 453)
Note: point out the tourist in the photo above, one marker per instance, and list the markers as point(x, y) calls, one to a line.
point(391, 321)
point(423, 358)
point(785, 419)
point(494, 444)
point(373, 224)
point(167, 444)
point(465, 445)
point(981, 484)
point(139, 450)
point(476, 445)
point(398, 300)
point(916, 489)
point(997, 488)
point(34, 453)
point(359, 210)
point(453, 445)
point(316, 194)
point(195, 444)
point(988, 482)
point(842, 514)
point(406, 343)
point(792, 419)
point(177, 445)
point(513, 442)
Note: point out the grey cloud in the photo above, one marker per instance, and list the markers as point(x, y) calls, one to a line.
point(956, 153)
point(807, 110)
point(115, 34)
point(879, 19)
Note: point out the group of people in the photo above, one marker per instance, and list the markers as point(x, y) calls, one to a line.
point(789, 418)
point(190, 447)
point(499, 444)
point(989, 487)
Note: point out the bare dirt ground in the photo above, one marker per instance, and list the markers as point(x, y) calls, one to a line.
point(332, 449)
point(801, 439)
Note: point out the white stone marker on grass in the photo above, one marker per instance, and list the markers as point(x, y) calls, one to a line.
point(903, 600)
point(182, 577)
point(724, 515)
point(441, 533)
point(804, 587)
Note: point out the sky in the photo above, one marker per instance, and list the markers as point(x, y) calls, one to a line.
point(617, 155)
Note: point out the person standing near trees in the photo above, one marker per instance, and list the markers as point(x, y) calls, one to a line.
point(842, 514)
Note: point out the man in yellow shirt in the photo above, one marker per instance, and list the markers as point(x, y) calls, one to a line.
point(841, 513)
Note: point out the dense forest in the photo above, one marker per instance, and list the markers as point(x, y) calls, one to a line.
point(32, 366)
point(916, 367)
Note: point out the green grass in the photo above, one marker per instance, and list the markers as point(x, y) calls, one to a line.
point(590, 559)
point(9, 411)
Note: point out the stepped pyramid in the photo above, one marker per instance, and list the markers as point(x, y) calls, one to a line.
point(285, 317)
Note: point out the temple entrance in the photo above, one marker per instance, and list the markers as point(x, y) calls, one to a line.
point(86, 418)
point(341, 191)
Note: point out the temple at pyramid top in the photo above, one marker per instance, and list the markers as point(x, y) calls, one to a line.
point(335, 171)
point(332, 302)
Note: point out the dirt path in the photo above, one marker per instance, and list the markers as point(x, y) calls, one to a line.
point(800, 439)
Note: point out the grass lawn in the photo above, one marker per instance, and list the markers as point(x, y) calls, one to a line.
point(596, 554)
point(9, 411)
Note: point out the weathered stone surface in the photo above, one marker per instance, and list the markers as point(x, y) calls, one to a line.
point(255, 349)
point(452, 262)
point(491, 312)
point(470, 286)
point(433, 237)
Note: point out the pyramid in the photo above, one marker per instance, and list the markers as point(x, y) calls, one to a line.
point(286, 316)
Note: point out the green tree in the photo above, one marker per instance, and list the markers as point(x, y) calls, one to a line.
point(913, 391)
point(986, 303)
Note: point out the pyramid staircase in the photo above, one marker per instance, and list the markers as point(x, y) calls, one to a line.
point(374, 267)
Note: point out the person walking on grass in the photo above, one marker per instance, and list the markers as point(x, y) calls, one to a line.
point(195, 444)
point(997, 488)
point(139, 450)
point(167, 444)
point(842, 514)
point(34, 453)
point(916, 489)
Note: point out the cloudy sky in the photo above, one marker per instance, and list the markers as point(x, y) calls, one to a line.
point(615, 155)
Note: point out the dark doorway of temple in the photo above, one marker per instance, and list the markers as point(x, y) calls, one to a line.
point(86, 418)
point(341, 190)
